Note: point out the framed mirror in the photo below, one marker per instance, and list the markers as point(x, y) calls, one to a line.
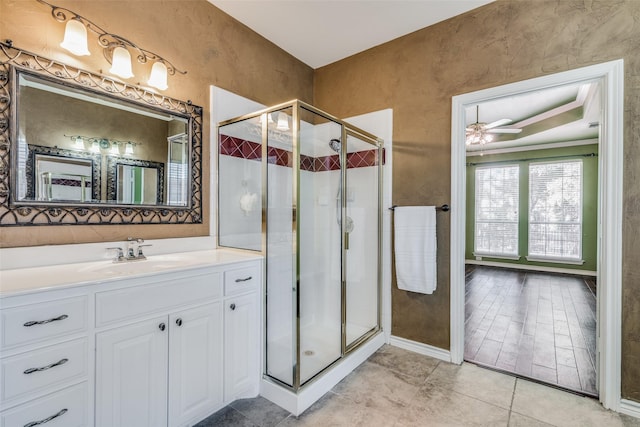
point(81, 148)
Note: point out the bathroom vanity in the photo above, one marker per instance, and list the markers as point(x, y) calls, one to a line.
point(161, 342)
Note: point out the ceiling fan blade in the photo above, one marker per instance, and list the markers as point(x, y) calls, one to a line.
point(497, 123)
point(504, 130)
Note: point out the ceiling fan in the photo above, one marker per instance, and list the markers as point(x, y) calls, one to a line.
point(480, 133)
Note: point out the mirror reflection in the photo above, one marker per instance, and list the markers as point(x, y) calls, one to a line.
point(90, 148)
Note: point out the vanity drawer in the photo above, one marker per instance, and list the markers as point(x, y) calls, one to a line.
point(41, 369)
point(66, 408)
point(241, 280)
point(33, 323)
point(135, 301)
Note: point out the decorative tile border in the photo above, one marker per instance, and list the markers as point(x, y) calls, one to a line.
point(237, 147)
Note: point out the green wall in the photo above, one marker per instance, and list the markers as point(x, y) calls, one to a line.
point(589, 208)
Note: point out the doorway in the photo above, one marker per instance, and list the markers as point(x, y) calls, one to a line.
point(610, 77)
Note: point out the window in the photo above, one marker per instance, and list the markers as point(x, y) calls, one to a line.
point(555, 211)
point(496, 219)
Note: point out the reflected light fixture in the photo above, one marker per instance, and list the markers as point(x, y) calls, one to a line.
point(114, 150)
point(158, 77)
point(75, 38)
point(116, 49)
point(269, 118)
point(128, 149)
point(283, 121)
point(121, 63)
point(95, 146)
point(79, 143)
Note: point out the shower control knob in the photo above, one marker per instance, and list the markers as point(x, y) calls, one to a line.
point(179, 321)
point(232, 306)
point(162, 326)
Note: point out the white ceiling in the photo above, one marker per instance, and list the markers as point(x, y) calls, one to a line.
point(319, 32)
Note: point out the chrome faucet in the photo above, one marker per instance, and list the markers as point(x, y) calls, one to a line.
point(134, 252)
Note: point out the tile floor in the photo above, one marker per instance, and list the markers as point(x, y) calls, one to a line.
point(399, 388)
point(535, 324)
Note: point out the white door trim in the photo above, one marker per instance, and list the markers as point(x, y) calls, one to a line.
point(611, 76)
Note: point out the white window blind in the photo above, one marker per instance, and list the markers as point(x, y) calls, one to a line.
point(496, 218)
point(555, 210)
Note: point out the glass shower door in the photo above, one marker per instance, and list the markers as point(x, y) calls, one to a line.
point(319, 288)
point(362, 245)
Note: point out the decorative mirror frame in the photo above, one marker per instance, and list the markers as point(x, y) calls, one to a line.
point(31, 213)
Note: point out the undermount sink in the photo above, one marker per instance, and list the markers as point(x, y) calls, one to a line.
point(149, 265)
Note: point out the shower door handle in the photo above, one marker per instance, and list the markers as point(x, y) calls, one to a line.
point(346, 241)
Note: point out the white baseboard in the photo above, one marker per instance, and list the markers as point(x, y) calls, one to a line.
point(418, 347)
point(533, 267)
point(630, 407)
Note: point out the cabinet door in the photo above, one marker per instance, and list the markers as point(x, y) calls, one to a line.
point(195, 363)
point(241, 347)
point(131, 375)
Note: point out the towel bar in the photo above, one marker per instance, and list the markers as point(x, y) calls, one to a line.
point(443, 208)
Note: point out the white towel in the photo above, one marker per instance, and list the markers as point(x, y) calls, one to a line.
point(415, 248)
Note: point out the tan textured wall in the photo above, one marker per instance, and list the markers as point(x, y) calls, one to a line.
point(502, 42)
point(194, 35)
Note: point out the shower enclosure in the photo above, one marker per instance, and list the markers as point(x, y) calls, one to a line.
point(304, 188)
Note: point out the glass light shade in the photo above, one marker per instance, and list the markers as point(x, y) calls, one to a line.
point(128, 149)
point(121, 63)
point(114, 150)
point(95, 147)
point(283, 122)
point(79, 144)
point(158, 77)
point(75, 38)
point(269, 118)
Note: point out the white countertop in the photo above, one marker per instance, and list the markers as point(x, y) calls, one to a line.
point(25, 280)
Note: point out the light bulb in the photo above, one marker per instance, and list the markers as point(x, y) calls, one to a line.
point(75, 38)
point(121, 63)
point(158, 77)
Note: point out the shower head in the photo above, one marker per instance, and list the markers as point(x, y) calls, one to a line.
point(335, 145)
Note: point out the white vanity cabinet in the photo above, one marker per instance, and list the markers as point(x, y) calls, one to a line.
point(160, 350)
point(45, 360)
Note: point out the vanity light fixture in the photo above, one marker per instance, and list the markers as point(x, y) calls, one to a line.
point(117, 50)
point(75, 38)
point(121, 63)
point(283, 121)
point(128, 149)
point(79, 143)
point(114, 151)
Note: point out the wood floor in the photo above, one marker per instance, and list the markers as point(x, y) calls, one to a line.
point(536, 325)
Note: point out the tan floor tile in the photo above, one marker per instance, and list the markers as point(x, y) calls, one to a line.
point(375, 386)
point(561, 408)
point(519, 420)
point(438, 406)
point(416, 366)
point(484, 384)
point(336, 410)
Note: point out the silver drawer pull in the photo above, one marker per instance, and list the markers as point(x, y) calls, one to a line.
point(246, 279)
point(43, 322)
point(46, 420)
point(44, 368)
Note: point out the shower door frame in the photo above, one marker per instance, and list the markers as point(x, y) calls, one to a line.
point(347, 130)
